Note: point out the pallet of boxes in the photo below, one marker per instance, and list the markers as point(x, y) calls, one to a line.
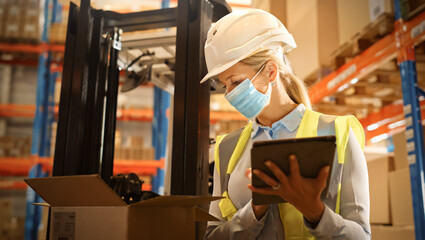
point(21, 20)
point(391, 211)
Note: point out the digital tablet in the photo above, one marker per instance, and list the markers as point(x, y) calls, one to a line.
point(312, 154)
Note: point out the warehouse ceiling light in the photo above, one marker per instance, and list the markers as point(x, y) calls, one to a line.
point(379, 138)
point(372, 127)
point(376, 125)
point(343, 87)
point(397, 124)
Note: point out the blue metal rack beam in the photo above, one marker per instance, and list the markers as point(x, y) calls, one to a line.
point(159, 134)
point(160, 128)
point(414, 132)
point(44, 116)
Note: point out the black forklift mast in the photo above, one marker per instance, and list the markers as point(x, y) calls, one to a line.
point(88, 101)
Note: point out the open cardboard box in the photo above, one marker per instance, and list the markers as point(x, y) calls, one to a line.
point(85, 207)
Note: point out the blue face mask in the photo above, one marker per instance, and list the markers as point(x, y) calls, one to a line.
point(247, 100)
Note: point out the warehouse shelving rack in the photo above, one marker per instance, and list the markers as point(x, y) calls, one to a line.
point(365, 63)
point(400, 44)
point(42, 112)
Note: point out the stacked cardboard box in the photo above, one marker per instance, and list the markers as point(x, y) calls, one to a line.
point(314, 26)
point(58, 29)
point(19, 147)
point(400, 188)
point(132, 149)
point(21, 20)
point(381, 232)
point(3, 11)
point(378, 170)
point(380, 7)
point(33, 21)
point(11, 227)
point(353, 16)
point(399, 196)
point(13, 22)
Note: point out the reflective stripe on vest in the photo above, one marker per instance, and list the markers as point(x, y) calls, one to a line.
point(291, 218)
point(227, 208)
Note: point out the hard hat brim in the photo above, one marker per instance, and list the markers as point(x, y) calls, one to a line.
point(219, 70)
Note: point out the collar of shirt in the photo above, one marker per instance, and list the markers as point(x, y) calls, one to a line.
point(291, 122)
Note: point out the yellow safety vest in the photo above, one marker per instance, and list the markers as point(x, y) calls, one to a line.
point(291, 218)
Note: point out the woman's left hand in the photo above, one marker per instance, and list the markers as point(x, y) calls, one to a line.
point(302, 193)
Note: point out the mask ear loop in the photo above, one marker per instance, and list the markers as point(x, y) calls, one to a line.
point(261, 69)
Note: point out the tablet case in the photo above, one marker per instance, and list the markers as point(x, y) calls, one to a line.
point(312, 154)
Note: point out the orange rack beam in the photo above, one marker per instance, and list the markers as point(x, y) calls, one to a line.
point(365, 63)
point(145, 115)
point(20, 166)
point(8, 185)
point(31, 48)
point(18, 110)
point(384, 120)
point(215, 116)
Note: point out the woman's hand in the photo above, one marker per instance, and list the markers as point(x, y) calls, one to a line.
point(302, 193)
point(259, 210)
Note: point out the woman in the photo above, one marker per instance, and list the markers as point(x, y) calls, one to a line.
point(245, 51)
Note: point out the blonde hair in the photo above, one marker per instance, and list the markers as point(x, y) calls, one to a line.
point(294, 86)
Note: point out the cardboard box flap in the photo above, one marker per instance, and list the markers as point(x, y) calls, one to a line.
point(79, 190)
point(176, 200)
point(201, 215)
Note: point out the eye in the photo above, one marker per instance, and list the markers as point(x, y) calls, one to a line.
point(236, 83)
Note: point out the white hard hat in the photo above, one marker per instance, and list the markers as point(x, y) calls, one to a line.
point(239, 34)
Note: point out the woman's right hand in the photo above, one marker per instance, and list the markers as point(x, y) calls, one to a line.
point(259, 210)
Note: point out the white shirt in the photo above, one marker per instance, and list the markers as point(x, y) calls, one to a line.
point(353, 221)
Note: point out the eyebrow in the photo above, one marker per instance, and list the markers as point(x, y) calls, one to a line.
point(230, 77)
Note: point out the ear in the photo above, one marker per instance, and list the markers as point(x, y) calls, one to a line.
point(271, 70)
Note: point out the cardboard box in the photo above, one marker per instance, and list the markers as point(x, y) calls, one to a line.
point(13, 23)
point(148, 153)
point(3, 14)
point(134, 141)
point(59, 27)
point(400, 150)
point(353, 16)
point(85, 207)
point(314, 27)
point(401, 197)
point(378, 171)
point(380, 232)
point(379, 7)
point(136, 153)
point(11, 225)
point(32, 26)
